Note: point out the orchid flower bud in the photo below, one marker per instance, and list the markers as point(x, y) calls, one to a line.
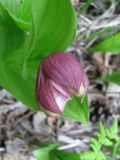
point(60, 77)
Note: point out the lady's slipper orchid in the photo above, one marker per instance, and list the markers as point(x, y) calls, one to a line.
point(60, 77)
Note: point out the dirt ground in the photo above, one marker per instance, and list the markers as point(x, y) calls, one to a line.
point(20, 127)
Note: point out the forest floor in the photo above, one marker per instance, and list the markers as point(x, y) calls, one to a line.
point(20, 127)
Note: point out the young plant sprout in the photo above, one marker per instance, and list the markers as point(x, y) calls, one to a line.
point(60, 77)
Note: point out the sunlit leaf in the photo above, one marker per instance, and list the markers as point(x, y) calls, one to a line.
point(110, 44)
point(62, 155)
point(113, 78)
point(114, 126)
point(44, 153)
point(11, 58)
point(20, 11)
point(78, 110)
point(53, 28)
point(102, 130)
point(88, 156)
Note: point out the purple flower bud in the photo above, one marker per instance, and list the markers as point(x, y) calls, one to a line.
point(60, 77)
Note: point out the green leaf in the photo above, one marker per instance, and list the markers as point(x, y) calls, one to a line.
point(113, 130)
point(11, 38)
point(12, 6)
point(88, 156)
point(110, 44)
point(94, 148)
point(53, 28)
point(50, 152)
point(102, 130)
point(114, 127)
point(107, 142)
point(62, 155)
point(26, 12)
point(114, 78)
point(19, 11)
point(96, 144)
point(108, 133)
point(11, 59)
point(77, 110)
point(44, 153)
point(100, 156)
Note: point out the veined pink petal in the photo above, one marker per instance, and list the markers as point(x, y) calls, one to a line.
point(48, 96)
point(60, 78)
point(65, 70)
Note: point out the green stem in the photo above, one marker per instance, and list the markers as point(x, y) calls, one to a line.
point(115, 149)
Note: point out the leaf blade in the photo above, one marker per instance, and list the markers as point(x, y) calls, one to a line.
point(77, 110)
point(53, 33)
point(113, 78)
point(110, 44)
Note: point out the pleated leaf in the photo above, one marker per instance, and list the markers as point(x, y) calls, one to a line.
point(51, 26)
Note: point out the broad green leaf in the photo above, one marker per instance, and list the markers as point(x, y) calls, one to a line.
point(20, 11)
point(13, 81)
point(11, 38)
point(12, 6)
point(110, 44)
point(11, 59)
point(62, 155)
point(26, 12)
point(51, 153)
point(78, 110)
point(113, 78)
point(57, 32)
point(44, 153)
point(53, 29)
